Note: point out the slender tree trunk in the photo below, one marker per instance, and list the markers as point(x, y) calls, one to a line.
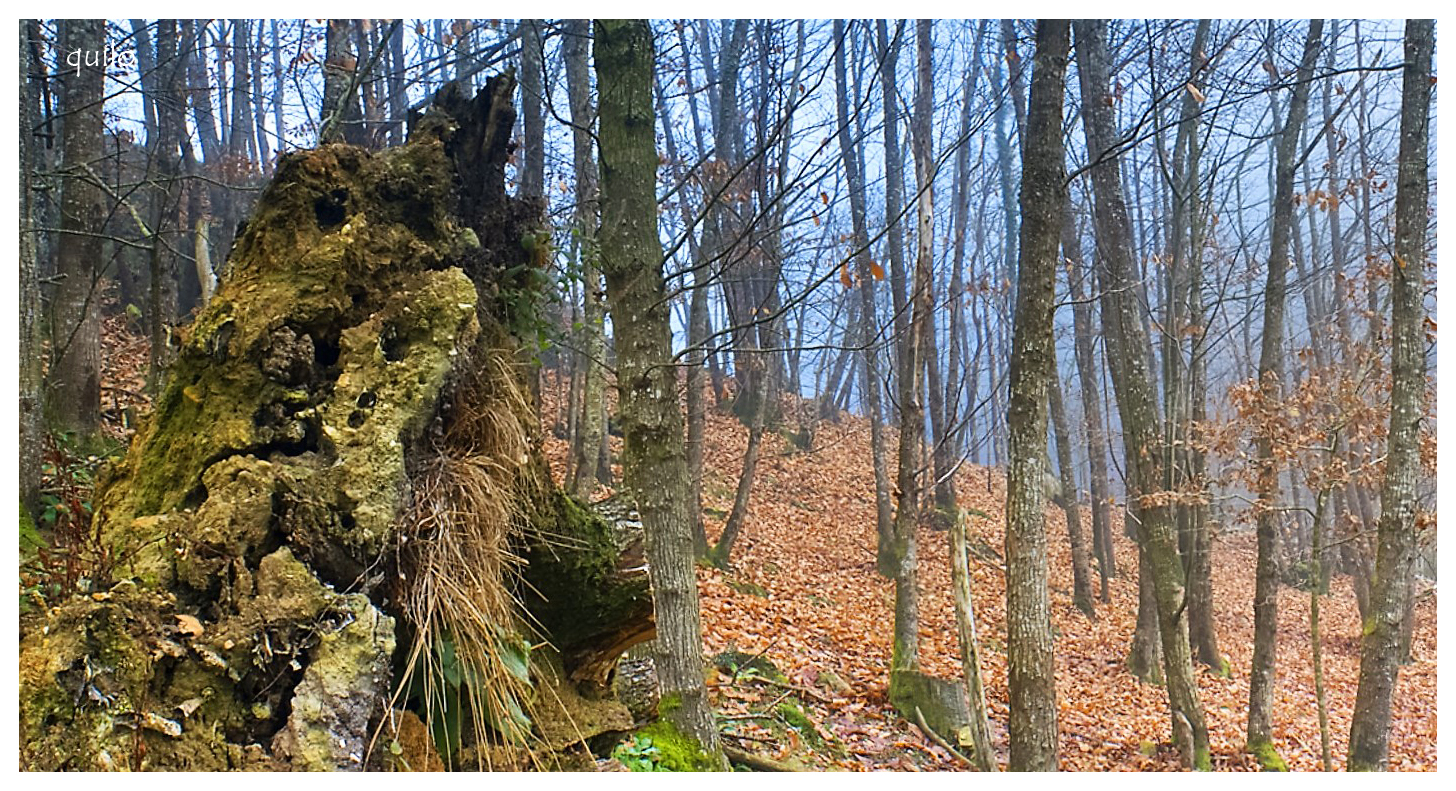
point(32, 378)
point(698, 318)
point(591, 430)
point(372, 117)
point(1029, 658)
point(695, 355)
point(1082, 327)
point(1202, 632)
point(219, 52)
point(1136, 399)
point(533, 116)
point(960, 572)
point(956, 375)
point(200, 91)
point(887, 561)
point(76, 328)
point(721, 552)
point(654, 464)
point(1271, 372)
point(905, 651)
point(165, 152)
point(241, 128)
point(1081, 568)
point(1316, 590)
point(259, 105)
point(889, 51)
point(277, 98)
point(762, 399)
point(1380, 649)
point(398, 96)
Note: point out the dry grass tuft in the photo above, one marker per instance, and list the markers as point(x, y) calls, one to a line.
point(460, 574)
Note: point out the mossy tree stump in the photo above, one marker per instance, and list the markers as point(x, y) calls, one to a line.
point(245, 610)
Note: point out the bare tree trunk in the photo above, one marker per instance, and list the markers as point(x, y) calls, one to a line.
point(1029, 657)
point(165, 152)
point(370, 54)
point(1136, 398)
point(654, 463)
point(398, 99)
point(277, 98)
point(75, 377)
point(1083, 333)
point(887, 561)
point(1145, 655)
point(1316, 590)
point(905, 653)
point(340, 118)
point(1081, 568)
point(1380, 648)
point(32, 377)
point(1192, 400)
point(533, 116)
point(260, 106)
point(698, 319)
point(889, 52)
point(219, 52)
point(240, 131)
point(960, 572)
point(199, 90)
point(721, 552)
point(1271, 373)
point(956, 375)
point(762, 399)
point(590, 436)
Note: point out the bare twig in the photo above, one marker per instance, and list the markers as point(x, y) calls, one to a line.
point(935, 737)
point(755, 762)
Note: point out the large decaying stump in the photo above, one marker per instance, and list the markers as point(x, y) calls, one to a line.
point(340, 485)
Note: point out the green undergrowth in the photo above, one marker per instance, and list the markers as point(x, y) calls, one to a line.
point(661, 747)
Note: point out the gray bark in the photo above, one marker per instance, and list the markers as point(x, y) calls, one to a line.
point(31, 385)
point(75, 376)
point(1029, 654)
point(887, 561)
point(1380, 648)
point(1136, 398)
point(654, 463)
point(1262, 677)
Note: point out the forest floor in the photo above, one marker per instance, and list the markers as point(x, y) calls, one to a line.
point(803, 592)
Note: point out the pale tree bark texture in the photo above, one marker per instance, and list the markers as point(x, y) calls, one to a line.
point(1380, 649)
point(1029, 658)
point(905, 654)
point(654, 465)
point(1132, 382)
point(1194, 521)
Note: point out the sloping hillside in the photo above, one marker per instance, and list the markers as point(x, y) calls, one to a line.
point(804, 594)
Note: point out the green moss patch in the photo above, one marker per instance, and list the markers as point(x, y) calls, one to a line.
point(1267, 756)
point(671, 750)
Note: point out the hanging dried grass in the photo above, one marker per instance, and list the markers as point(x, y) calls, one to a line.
point(461, 576)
